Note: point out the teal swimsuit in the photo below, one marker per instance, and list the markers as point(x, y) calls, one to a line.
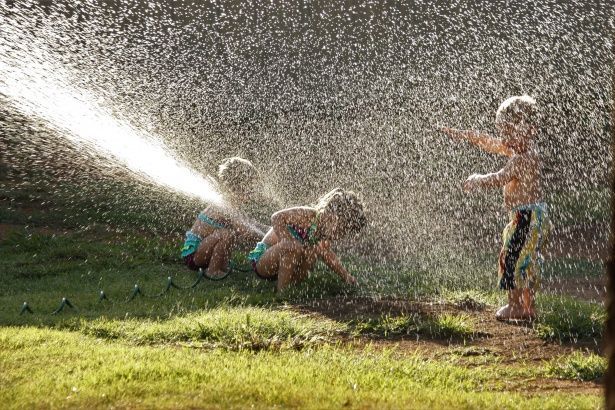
point(192, 242)
point(303, 235)
point(204, 218)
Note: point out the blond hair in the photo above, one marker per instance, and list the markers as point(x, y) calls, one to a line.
point(348, 208)
point(517, 109)
point(237, 174)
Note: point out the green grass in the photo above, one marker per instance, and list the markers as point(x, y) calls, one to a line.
point(439, 326)
point(237, 343)
point(578, 366)
point(41, 269)
point(233, 328)
point(452, 325)
point(68, 369)
point(568, 319)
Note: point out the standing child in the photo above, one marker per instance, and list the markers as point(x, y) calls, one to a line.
point(520, 258)
point(219, 230)
point(301, 235)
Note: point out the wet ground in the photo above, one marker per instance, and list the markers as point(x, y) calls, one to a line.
point(513, 343)
point(501, 343)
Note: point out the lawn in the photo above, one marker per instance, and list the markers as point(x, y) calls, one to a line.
point(236, 343)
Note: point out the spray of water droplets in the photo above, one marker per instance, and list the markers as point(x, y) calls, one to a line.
point(319, 96)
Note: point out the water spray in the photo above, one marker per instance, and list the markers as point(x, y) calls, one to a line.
point(34, 83)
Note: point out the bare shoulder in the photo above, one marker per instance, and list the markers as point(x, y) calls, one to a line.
point(298, 211)
point(298, 214)
point(216, 212)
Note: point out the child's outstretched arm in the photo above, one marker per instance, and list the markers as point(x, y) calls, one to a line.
point(495, 179)
point(481, 140)
point(323, 250)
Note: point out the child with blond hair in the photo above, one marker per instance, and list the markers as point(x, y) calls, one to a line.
point(218, 230)
point(521, 257)
point(301, 235)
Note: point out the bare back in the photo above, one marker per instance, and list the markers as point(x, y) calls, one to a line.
point(204, 229)
point(301, 216)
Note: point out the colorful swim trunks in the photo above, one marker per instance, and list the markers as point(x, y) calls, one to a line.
point(191, 244)
point(255, 256)
point(523, 238)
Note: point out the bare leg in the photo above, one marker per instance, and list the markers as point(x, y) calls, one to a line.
point(520, 306)
point(269, 264)
point(221, 255)
point(203, 255)
point(288, 260)
point(529, 305)
point(294, 268)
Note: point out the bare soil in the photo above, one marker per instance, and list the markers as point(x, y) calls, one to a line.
point(511, 341)
point(505, 343)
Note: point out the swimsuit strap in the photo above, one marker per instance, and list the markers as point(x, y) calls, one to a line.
point(297, 232)
point(305, 235)
point(204, 218)
point(311, 232)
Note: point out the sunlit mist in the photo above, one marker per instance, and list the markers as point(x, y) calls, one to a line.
point(38, 87)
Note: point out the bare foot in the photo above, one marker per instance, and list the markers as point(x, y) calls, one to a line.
point(513, 312)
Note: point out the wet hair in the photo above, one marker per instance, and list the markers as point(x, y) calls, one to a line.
point(348, 208)
point(517, 109)
point(237, 174)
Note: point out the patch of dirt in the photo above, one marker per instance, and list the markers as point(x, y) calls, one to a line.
point(510, 341)
point(540, 385)
point(505, 343)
